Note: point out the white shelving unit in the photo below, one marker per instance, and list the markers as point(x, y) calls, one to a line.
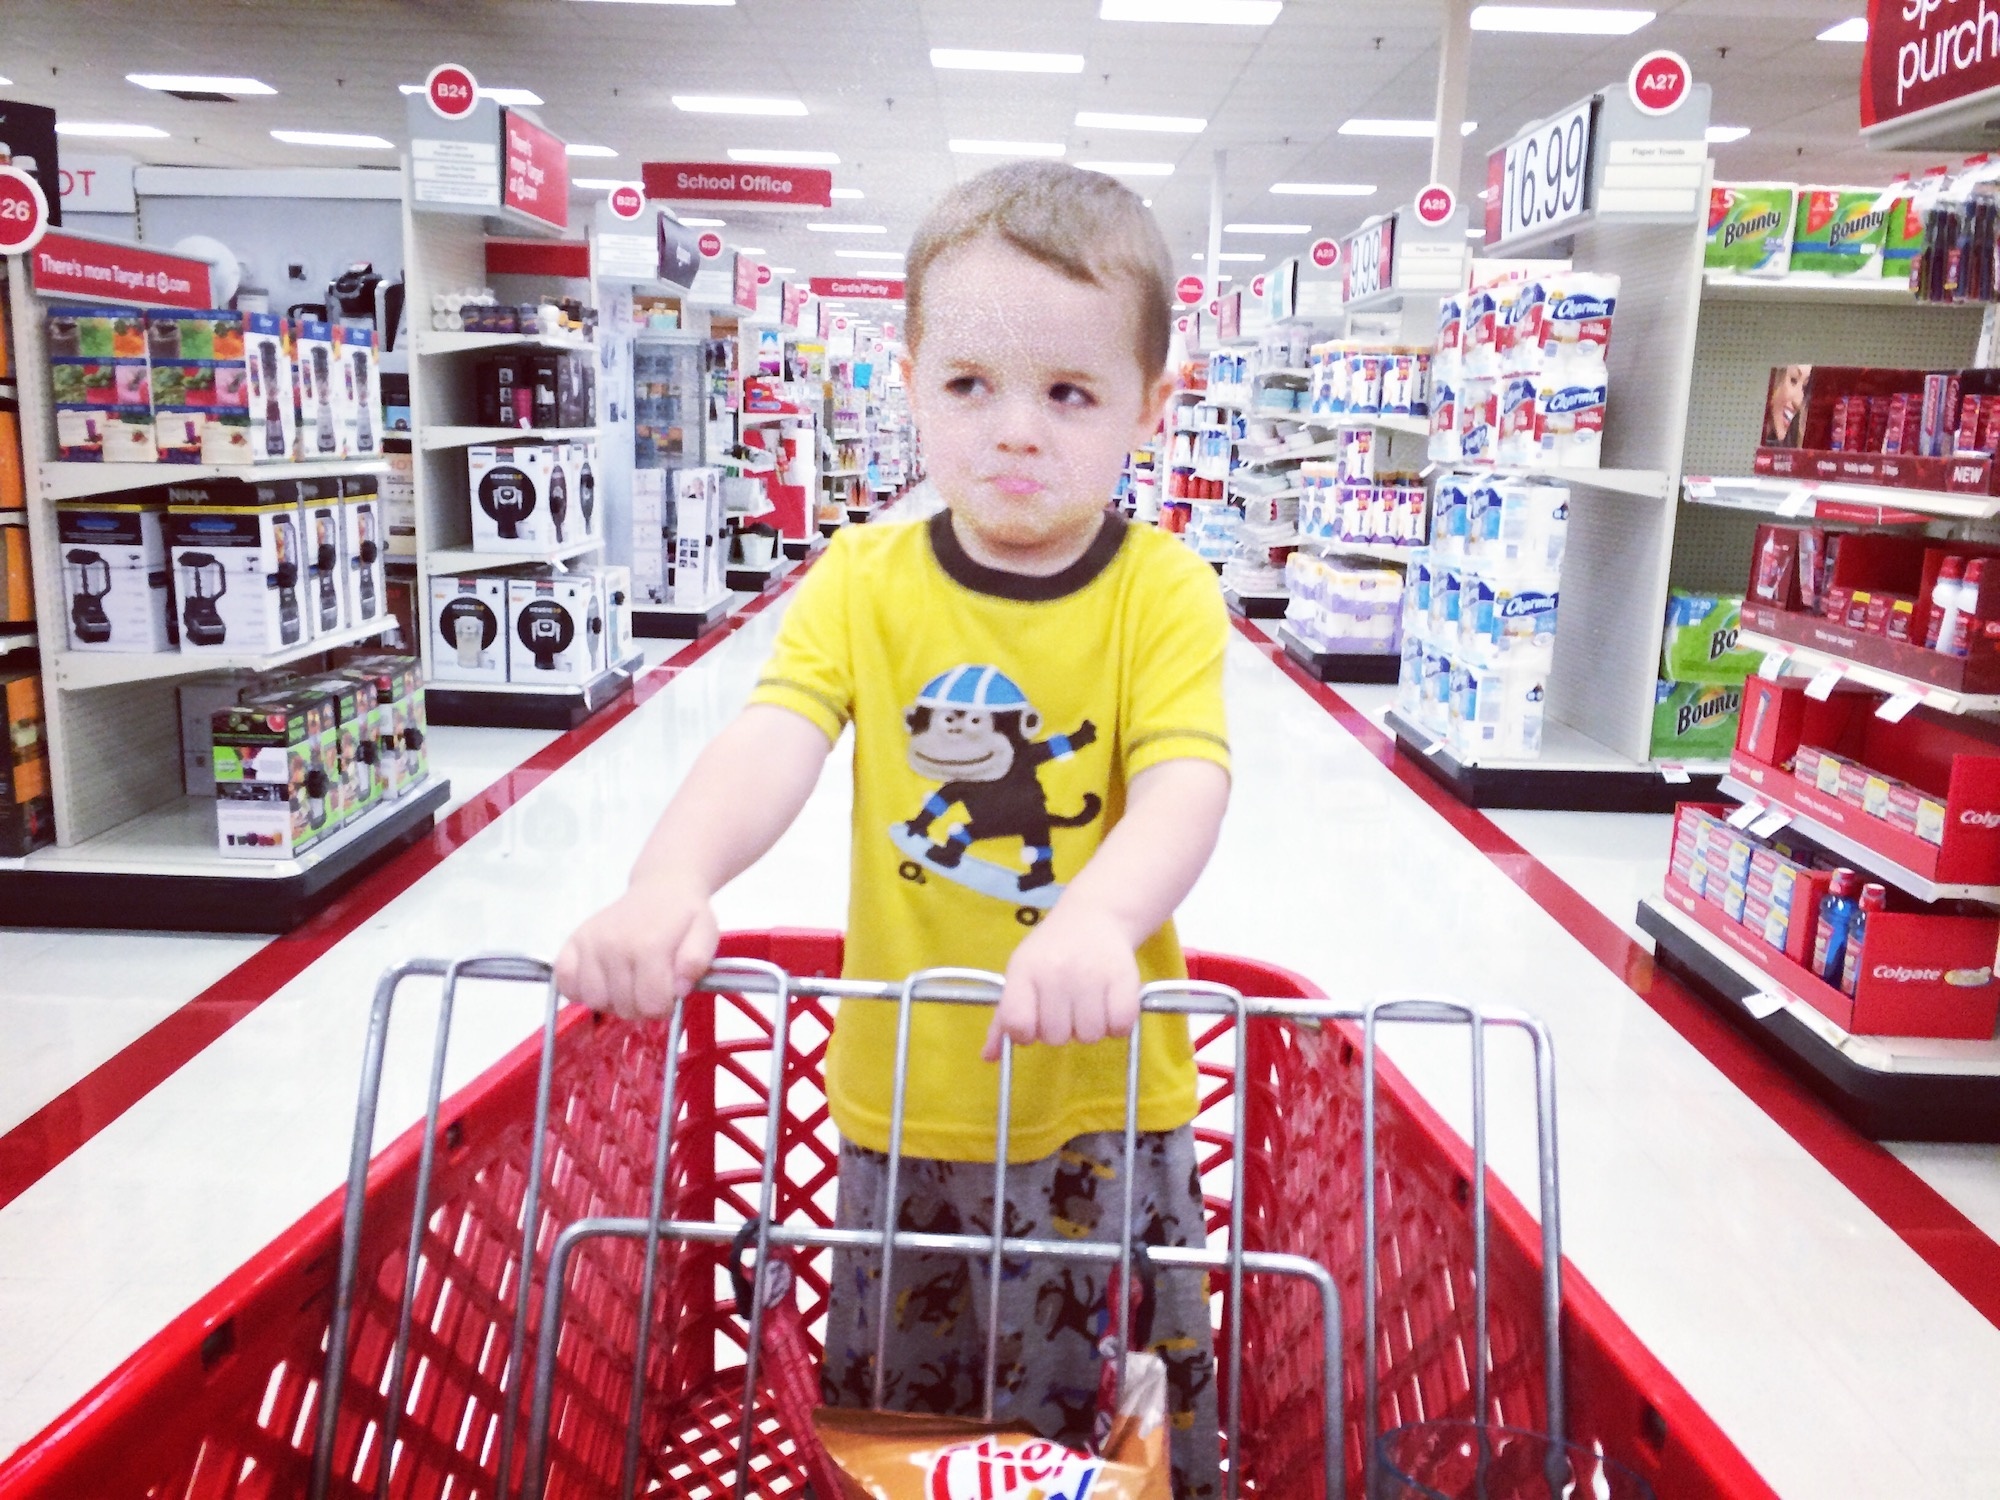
point(132, 849)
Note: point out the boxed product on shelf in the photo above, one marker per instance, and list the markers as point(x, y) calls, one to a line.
point(1343, 609)
point(1514, 520)
point(322, 521)
point(1839, 231)
point(13, 488)
point(614, 588)
point(200, 385)
point(199, 700)
point(1699, 645)
point(238, 575)
point(17, 584)
point(275, 796)
point(556, 629)
point(362, 531)
point(650, 533)
point(358, 729)
point(1902, 428)
point(114, 570)
point(357, 393)
point(696, 561)
point(318, 423)
point(520, 497)
point(1750, 228)
point(1694, 720)
point(1497, 711)
point(469, 618)
point(578, 463)
point(1902, 239)
point(103, 405)
point(27, 815)
point(1918, 971)
point(268, 363)
point(403, 760)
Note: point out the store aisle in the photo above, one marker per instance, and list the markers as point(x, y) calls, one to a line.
point(1770, 1290)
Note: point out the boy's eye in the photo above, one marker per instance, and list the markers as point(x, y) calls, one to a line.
point(965, 385)
point(1066, 394)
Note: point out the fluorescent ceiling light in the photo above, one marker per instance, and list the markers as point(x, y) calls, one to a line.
point(1476, 234)
point(332, 138)
point(593, 183)
point(1006, 62)
point(1722, 135)
point(1195, 12)
point(114, 132)
point(869, 254)
point(577, 148)
point(1557, 20)
point(6, 83)
point(1855, 30)
point(785, 158)
point(1225, 276)
point(1091, 119)
point(784, 270)
point(674, 2)
point(736, 104)
point(1007, 148)
point(1325, 189)
point(704, 223)
point(751, 250)
point(847, 193)
point(197, 83)
point(1267, 229)
point(498, 96)
point(1252, 256)
point(1412, 129)
point(818, 228)
point(1130, 168)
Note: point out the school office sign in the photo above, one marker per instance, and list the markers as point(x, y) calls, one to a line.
point(717, 182)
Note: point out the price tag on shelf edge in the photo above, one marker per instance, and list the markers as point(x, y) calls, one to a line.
point(1699, 489)
point(1896, 709)
point(1798, 503)
point(1542, 176)
point(1745, 815)
point(1770, 823)
point(1774, 664)
point(24, 212)
point(1674, 774)
point(1825, 680)
point(1763, 1004)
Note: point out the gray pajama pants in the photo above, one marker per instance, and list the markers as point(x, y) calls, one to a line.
point(1051, 1313)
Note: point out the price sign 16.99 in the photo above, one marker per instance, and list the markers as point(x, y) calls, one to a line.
point(1542, 177)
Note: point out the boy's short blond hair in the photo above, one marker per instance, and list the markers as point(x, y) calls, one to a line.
point(1090, 227)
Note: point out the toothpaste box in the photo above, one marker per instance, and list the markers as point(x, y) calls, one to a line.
point(1839, 231)
point(1750, 228)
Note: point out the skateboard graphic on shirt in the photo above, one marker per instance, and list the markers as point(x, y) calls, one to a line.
point(973, 732)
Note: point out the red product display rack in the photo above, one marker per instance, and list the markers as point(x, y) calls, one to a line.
point(224, 1402)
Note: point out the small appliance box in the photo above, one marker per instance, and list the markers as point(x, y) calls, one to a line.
point(399, 695)
point(469, 618)
point(354, 702)
point(100, 385)
point(579, 465)
point(323, 524)
point(555, 627)
point(614, 588)
point(114, 568)
point(201, 698)
point(650, 546)
point(520, 498)
point(268, 381)
point(357, 392)
point(318, 419)
point(238, 576)
point(695, 565)
point(201, 390)
point(274, 796)
point(362, 534)
point(27, 815)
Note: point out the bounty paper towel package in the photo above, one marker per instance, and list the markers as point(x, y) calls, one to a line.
point(1902, 239)
point(1838, 231)
point(1700, 642)
point(1750, 228)
point(1695, 721)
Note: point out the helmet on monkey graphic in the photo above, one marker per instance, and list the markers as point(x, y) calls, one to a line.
point(986, 689)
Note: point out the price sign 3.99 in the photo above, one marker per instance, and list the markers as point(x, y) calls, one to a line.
point(1541, 178)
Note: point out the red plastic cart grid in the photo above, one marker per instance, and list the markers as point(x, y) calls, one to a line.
point(222, 1402)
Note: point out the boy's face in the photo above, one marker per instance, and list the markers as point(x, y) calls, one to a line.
point(1027, 393)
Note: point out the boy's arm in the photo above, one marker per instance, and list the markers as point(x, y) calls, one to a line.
point(654, 942)
point(1076, 977)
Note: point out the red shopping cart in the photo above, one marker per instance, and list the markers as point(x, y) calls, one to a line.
point(451, 1368)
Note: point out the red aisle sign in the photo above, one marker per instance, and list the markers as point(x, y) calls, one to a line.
point(1188, 289)
point(1435, 205)
point(536, 180)
point(24, 211)
point(867, 289)
point(710, 244)
point(451, 91)
point(791, 303)
point(729, 182)
point(747, 282)
point(763, 276)
point(1659, 83)
point(626, 201)
point(67, 265)
point(1326, 254)
point(1229, 317)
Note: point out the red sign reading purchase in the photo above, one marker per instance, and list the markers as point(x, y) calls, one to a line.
point(66, 265)
point(537, 179)
point(728, 182)
point(1923, 53)
point(861, 287)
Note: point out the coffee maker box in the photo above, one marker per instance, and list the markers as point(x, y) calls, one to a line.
point(362, 530)
point(318, 376)
point(357, 392)
point(469, 629)
point(200, 386)
point(695, 564)
point(239, 575)
point(322, 521)
point(518, 503)
point(555, 627)
point(614, 589)
point(650, 543)
point(114, 570)
point(100, 385)
point(579, 460)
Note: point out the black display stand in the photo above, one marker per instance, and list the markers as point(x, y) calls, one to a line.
point(1907, 1104)
point(1557, 786)
point(1341, 666)
point(525, 708)
point(742, 578)
point(40, 892)
point(663, 622)
point(1256, 606)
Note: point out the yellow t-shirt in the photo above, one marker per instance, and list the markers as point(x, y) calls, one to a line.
point(998, 720)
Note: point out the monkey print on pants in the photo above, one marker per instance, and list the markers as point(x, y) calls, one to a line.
point(973, 730)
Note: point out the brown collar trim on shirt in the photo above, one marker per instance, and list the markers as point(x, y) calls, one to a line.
point(1025, 588)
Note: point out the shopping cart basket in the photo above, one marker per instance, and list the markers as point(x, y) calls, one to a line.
point(226, 1401)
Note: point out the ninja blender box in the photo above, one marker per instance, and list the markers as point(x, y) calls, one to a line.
point(318, 421)
point(322, 523)
point(114, 569)
point(520, 498)
point(357, 389)
point(100, 385)
point(357, 727)
point(401, 759)
point(362, 546)
point(469, 629)
point(267, 361)
point(275, 791)
point(555, 628)
point(239, 576)
point(201, 392)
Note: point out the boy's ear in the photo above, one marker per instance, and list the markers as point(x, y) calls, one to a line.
point(1153, 406)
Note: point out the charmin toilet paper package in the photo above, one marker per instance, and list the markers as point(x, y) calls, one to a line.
point(1497, 711)
point(1506, 613)
point(1516, 520)
point(1571, 394)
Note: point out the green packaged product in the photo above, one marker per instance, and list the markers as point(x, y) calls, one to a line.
point(1750, 228)
point(1700, 641)
point(1902, 239)
point(1838, 231)
point(1695, 720)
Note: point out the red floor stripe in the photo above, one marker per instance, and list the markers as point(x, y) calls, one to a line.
point(49, 1136)
point(1949, 1242)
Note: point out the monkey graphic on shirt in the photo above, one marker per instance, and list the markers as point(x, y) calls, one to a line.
point(974, 731)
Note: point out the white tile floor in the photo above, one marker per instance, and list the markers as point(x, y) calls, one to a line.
point(1837, 1361)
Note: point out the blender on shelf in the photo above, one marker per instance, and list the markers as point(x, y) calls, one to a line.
point(115, 576)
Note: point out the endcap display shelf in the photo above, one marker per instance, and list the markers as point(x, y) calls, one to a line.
point(1573, 774)
point(1340, 666)
point(680, 622)
point(520, 705)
